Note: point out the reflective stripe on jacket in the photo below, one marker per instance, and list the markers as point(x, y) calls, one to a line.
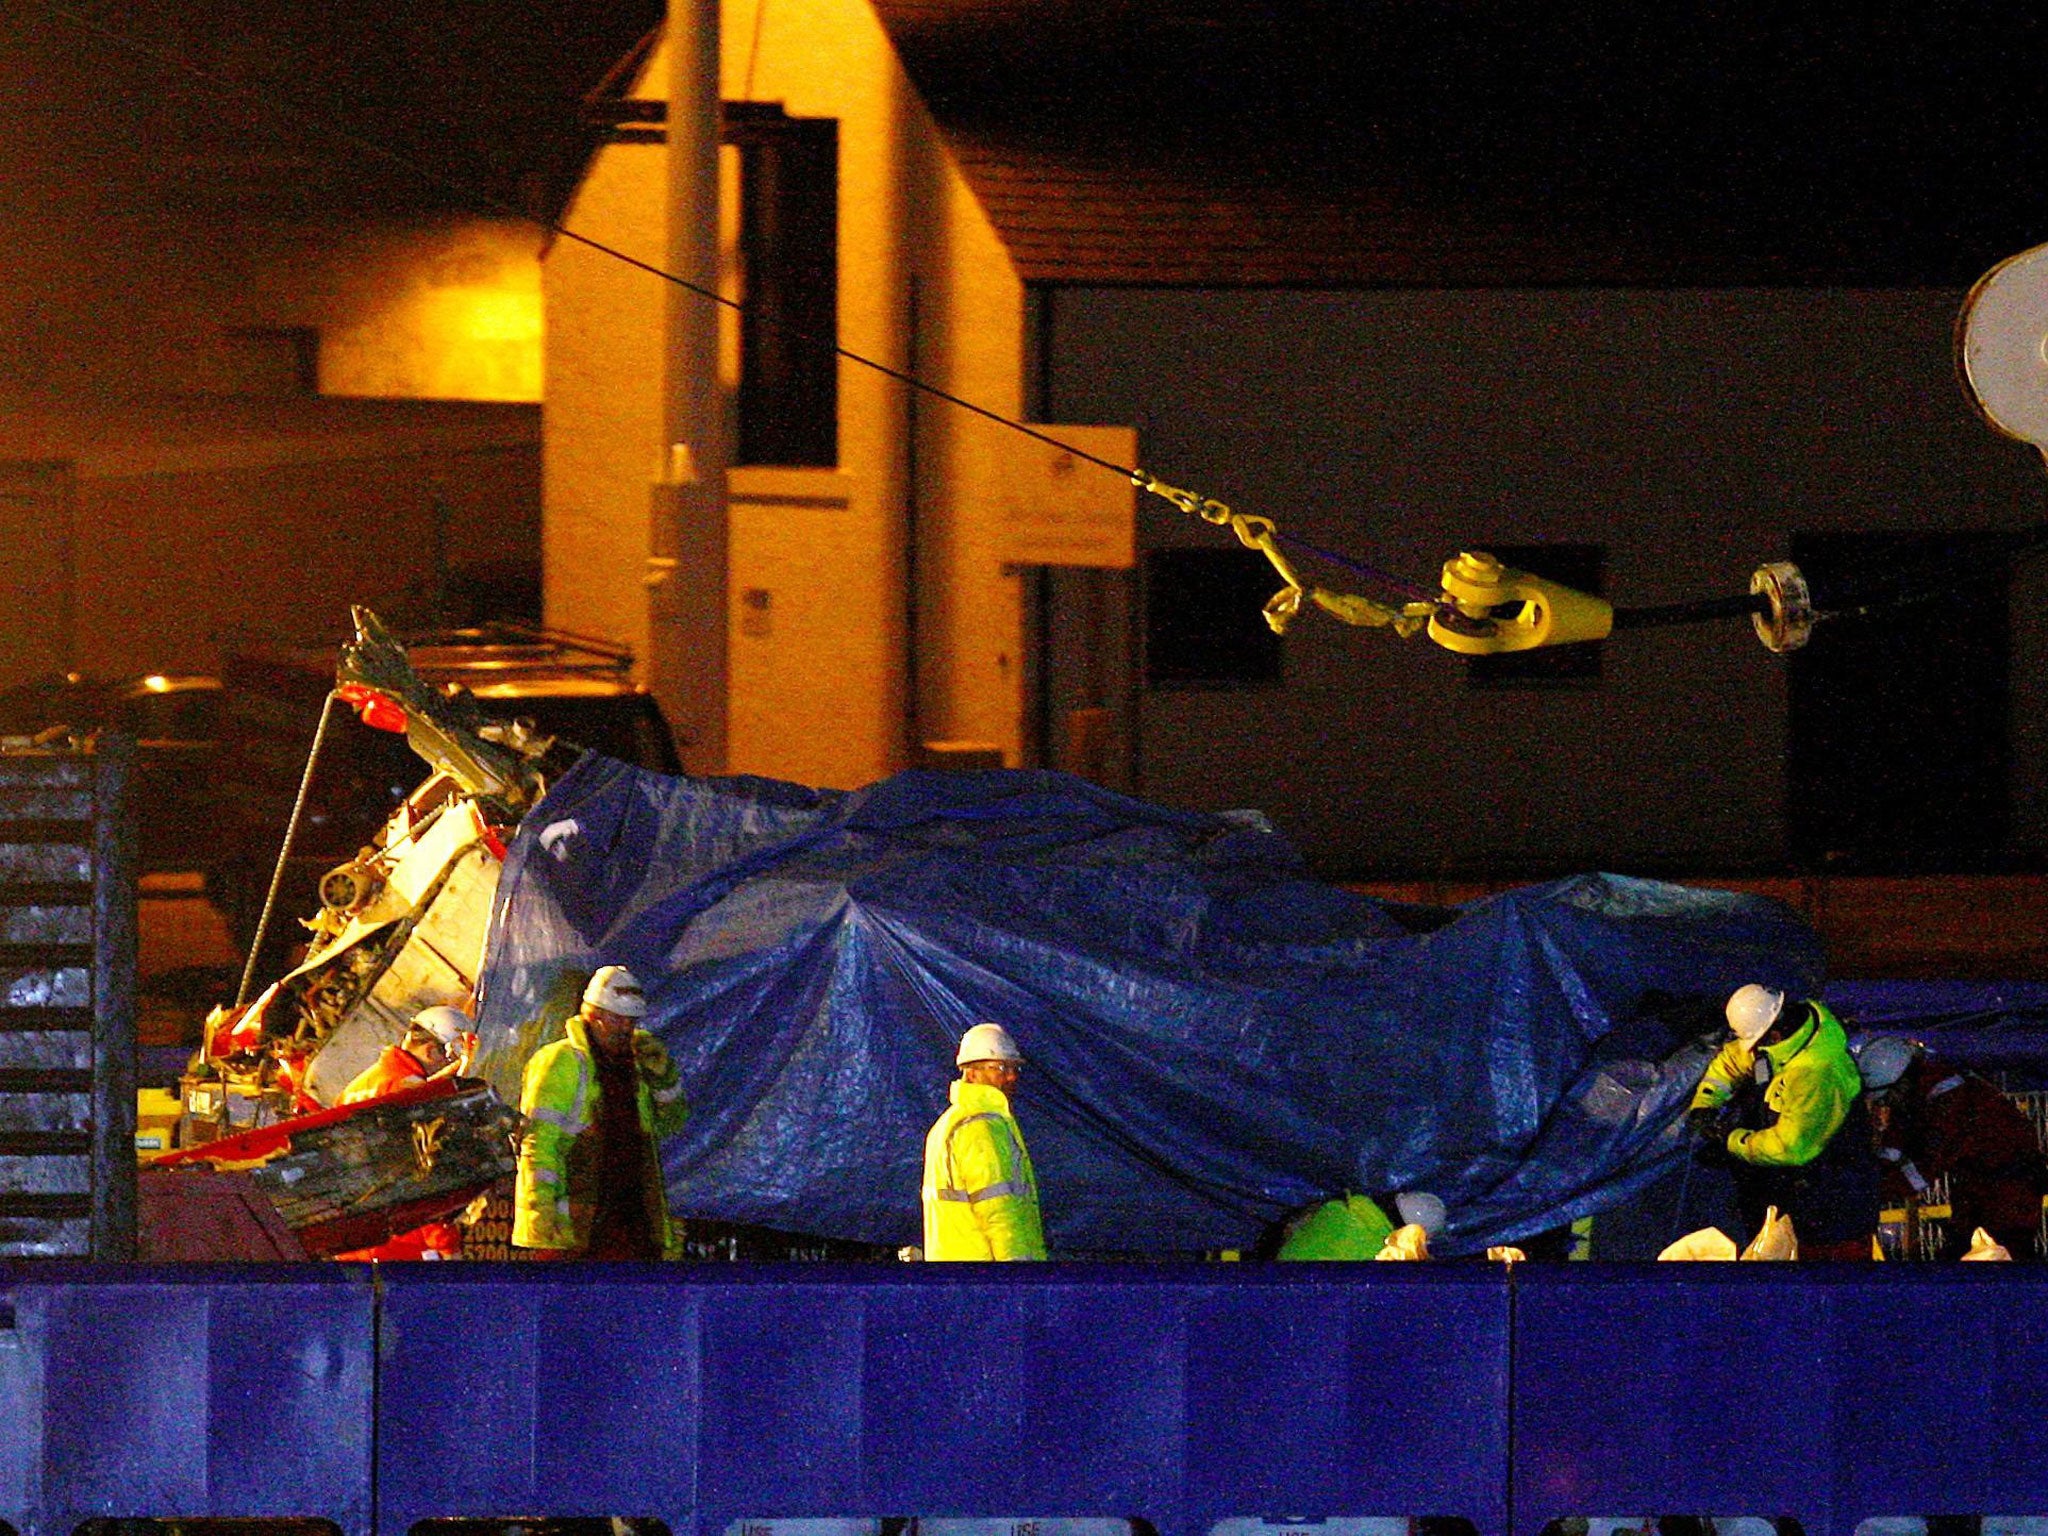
point(554, 1194)
point(980, 1194)
point(1813, 1084)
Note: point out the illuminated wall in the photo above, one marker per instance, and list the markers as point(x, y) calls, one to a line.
point(176, 322)
point(172, 528)
point(1690, 432)
point(448, 311)
point(823, 560)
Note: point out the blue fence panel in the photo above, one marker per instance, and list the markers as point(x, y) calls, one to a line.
point(710, 1395)
point(782, 1389)
point(1346, 1391)
point(1942, 1400)
point(1052, 1392)
point(184, 1391)
point(703, 1395)
point(1828, 1392)
point(541, 1390)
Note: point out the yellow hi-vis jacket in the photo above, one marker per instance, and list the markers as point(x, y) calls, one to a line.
point(980, 1195)
point(554, 1194)
point(1352, 1228)
point(1813, 1082)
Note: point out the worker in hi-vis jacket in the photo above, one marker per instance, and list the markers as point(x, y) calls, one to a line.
point(980, 1194)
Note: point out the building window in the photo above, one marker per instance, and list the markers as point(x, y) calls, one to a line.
point(789, 284)
point(1582, 567)
point(1205, 625)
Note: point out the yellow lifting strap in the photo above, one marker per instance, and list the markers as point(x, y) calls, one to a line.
point(1258, 533)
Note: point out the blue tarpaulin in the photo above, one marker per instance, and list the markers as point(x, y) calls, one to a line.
point(1995, 1027)
point(1214, 1038)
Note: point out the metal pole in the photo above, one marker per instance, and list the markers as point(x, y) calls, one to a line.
point(687, 533)
point(115, 861)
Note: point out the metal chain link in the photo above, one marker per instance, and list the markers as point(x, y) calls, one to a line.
point(1262, 534)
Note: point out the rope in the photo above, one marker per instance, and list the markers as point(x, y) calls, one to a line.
point(1691, 613)
point(284, 852)
point(1281, 609)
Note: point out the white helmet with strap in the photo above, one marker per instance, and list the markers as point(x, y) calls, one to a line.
point(616, 990)
point(1752, 1010)
point(987, 1042)
point(447, 1025)
point(1882, 1060)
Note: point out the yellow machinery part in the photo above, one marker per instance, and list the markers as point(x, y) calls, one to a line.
point(156, 1121)
point(1476, 586)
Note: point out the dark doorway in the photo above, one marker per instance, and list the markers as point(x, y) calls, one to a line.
point(1078, 651)
point(1900, 742)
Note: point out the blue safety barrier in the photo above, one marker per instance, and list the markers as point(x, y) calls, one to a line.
point(185, 1391)
point(1177, 1395)
point(703, 1395)
point(1831, 1393)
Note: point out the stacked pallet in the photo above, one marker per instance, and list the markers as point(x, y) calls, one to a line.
point(67, 988)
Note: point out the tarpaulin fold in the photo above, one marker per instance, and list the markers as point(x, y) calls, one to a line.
point(1214, 1038)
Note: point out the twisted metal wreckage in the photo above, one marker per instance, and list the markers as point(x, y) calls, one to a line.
point(1218, 1039)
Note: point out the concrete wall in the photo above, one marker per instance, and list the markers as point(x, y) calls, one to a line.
point(178, 524)
point(829, 683)
point(1691, 432)
point(179, 295)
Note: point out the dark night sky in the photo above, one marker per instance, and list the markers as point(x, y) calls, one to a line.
point(477, 93)
point(1887, 142)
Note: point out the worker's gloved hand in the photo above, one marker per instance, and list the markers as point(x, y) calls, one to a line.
point(651, 1056)
point(1709, 1131)
point(1704, 1125)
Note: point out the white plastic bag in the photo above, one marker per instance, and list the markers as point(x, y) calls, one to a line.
point(1775, 1239)
point(1409, 1242)
point(1707, 1243)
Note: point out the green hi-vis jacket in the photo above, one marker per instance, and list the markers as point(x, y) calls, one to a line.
point(555, 1192)
point(1813, 1083)
point(980, 1195)
point(1352, 1228)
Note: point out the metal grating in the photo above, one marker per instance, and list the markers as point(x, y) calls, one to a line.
point(2035, 1107)
point(67, 972)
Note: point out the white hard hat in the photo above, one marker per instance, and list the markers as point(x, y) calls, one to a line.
point(1419, 1208)
point(987, 1042)
point(1882, 1060)
point(445, 1024)
point(615, 990)
point(1752, 1010)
